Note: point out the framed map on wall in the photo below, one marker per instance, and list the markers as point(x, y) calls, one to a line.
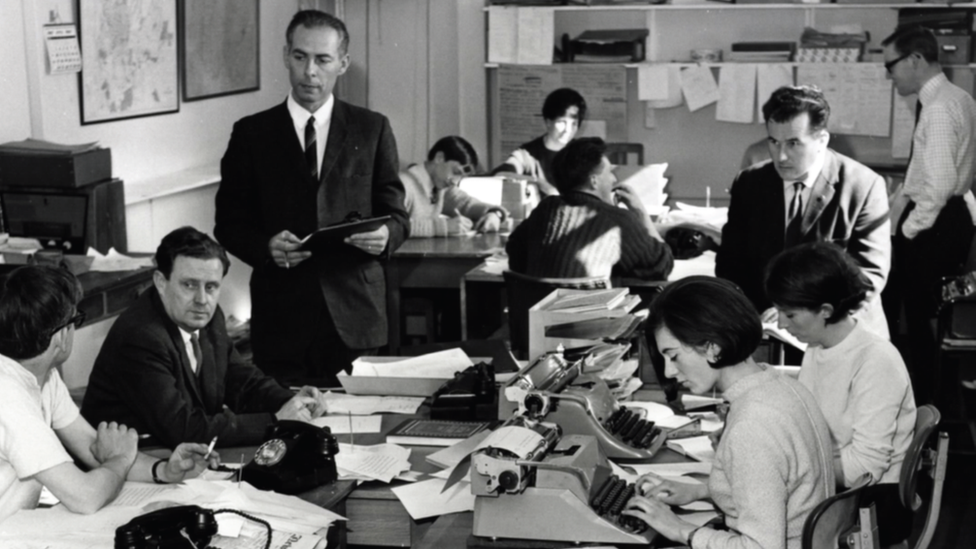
point(129, 59)
point(220, 48)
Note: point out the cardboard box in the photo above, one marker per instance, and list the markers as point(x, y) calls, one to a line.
point(55, 170)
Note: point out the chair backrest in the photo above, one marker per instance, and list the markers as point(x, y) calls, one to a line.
point(619, 153)
point(925, 456)
point(525, 291)
point(834, 517)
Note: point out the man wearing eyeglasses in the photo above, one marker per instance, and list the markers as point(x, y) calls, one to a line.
point(932, 225)
point(168, 367)
point(436, 205)
point(42, 436)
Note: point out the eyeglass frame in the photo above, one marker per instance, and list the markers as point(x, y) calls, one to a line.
point(891, 64)
point(78, 320)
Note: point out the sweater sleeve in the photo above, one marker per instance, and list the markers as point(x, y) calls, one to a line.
point(753, 458)
point(469, 206)
point(877, 390)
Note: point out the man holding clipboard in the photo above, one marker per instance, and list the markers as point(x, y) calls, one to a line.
point(309, 163)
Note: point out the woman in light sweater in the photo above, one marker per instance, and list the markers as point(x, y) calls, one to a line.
point(858, 378)
point(437, 207)
point(772, 465)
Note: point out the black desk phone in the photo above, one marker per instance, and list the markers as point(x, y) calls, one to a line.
point(165, 528)
point(294, 458)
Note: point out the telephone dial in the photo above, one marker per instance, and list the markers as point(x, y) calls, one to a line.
point(294, 458)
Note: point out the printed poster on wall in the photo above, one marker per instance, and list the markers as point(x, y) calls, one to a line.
point(858, 93)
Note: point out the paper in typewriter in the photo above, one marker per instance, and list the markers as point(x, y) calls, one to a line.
point(518, 440)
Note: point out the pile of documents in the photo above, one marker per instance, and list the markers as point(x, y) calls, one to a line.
point(382, 462)
point(649, 183)
point(295, 523)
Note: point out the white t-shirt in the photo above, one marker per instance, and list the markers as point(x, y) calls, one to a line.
point(28, 443)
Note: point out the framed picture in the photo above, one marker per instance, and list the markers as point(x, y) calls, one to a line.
point(220, 47)
point(129, 59)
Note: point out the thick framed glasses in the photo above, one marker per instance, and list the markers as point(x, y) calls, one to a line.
point(77, 320)
point(891, 64)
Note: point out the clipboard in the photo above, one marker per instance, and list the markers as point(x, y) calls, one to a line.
point(333, 235)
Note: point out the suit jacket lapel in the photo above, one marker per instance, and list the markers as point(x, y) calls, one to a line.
point(337, 140)
point(822, 192)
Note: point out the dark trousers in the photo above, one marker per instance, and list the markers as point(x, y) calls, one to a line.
point(918, 269)
point(325, 357)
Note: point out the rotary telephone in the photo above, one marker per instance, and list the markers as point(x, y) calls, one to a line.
point(295, 457)
point(168, 528)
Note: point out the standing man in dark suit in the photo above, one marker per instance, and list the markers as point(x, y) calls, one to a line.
point(806, 193)
point(168, 368)
point(305, 164)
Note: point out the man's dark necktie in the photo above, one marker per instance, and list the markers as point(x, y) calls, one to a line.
point(918, 114)
point(311, 156)
point(197, 351)
point(795, 219)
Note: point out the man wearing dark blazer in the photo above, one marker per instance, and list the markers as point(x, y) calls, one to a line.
point(304, 164)
point(833, 199)
point(168, 369)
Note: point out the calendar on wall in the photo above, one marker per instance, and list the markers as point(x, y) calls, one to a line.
point(63, 53)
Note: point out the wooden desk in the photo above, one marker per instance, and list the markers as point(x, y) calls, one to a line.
point(108, 294)
point(432, 263)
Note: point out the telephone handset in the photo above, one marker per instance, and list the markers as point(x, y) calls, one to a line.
point(295, 457)
point(168, 528)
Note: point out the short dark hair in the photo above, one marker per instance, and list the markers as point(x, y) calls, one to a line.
point(454, 148)
point(559, 101)
point(788, 102)
point(813, 274)
point(914, 39)
point(700, 310)
point(311, 19)
point(34, 302)
point(573, 166)
point(188, 242)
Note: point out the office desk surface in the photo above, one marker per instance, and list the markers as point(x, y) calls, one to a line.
point(478, 245)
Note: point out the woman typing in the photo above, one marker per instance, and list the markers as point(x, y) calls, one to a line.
point(772, 465)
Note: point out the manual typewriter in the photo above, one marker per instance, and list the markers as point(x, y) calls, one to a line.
point(560, 389)
point(552, 488)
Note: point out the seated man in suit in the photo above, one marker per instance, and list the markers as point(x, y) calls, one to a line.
point(169, 369)
point(436, 205)
point(43, 439)
point(582, 232)
point(805, 193)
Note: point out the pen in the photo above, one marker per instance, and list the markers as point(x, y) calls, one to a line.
point(210, 448)
point(352, 434)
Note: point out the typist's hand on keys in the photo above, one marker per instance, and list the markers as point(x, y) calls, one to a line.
point(668, 491)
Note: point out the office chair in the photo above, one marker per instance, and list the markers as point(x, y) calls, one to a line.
point(619, 153)
point(922, 458)
point(525, 291)
point(839, 518)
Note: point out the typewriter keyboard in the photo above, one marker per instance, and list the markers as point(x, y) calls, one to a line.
point(609, 501)
point(628, 427)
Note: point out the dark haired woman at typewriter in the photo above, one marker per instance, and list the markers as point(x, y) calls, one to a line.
point(773, 463)
point(858, 379)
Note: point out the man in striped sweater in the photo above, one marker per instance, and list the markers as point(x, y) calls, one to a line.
point(583, 232)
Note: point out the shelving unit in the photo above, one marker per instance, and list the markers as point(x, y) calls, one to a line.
point(701, 151)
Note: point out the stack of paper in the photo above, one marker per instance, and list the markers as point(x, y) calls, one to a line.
point(114, 261)
point(649, 183)
point(381, 462)
point(339, 403)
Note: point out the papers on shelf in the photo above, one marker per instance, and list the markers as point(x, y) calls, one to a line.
point(365, 405)
point(381, 462)
point(114, 261)
point(345, 424)
point(442, 364)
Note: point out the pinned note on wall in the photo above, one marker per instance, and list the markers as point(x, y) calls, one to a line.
point(769, 78)
point(737, 91)
point(699, 87)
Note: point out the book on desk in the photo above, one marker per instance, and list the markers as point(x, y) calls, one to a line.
point(433, 432)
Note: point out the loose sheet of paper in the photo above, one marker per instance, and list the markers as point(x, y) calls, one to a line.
point(769, 78)
point(703, 265)
point(381, 462)
point(343, 425)
point(652, 82)
point(737, 93)
point(649, 184)
point(424, 499)
point(709, 422)
point(699, 87)
point(535, 36)
point(442, 364)
point(699, 448)
point(674, 97)
point(114, 261)
point(365, 405)
point(136, 494)
point(502, 34)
